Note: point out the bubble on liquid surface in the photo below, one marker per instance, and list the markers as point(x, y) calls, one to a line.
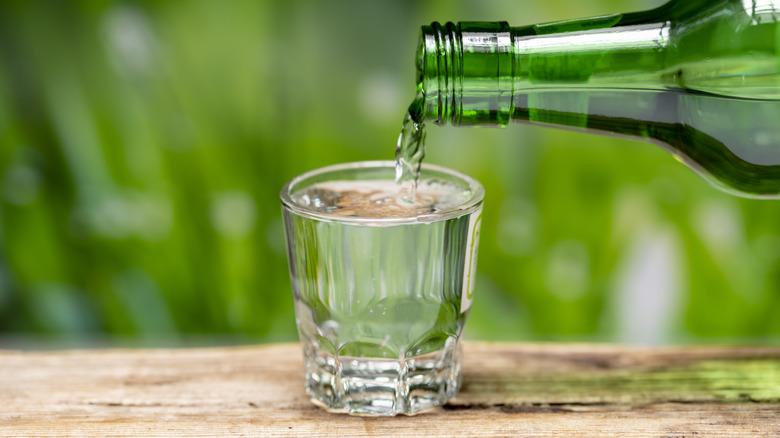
point(382, 198)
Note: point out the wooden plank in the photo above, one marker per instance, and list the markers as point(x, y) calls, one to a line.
point(509, 390)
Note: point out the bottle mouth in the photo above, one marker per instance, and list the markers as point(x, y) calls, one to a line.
point(464, 73)
point(439, 66)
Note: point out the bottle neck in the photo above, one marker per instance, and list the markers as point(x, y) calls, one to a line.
point(472, 73)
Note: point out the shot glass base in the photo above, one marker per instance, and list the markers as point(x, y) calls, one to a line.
point(378, 386)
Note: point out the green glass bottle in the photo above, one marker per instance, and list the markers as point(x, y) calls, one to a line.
point(700, 78)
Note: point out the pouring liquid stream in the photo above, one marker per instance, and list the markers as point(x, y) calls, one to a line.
point(409, 152)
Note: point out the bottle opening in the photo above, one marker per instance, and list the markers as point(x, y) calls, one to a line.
point(464, 72)
point(438, 63)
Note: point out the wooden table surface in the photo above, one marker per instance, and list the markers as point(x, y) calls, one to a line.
point(508, 390)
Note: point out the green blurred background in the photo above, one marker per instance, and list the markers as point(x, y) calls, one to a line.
point(143, 145)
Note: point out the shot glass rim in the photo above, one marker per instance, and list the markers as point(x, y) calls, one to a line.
point(467, 207)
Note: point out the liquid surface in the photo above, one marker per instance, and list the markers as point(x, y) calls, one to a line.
point(382, 198)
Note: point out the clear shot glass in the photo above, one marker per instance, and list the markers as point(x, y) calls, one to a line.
point(382, 289)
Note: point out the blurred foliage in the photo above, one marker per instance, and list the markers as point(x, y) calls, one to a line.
point(143, 146)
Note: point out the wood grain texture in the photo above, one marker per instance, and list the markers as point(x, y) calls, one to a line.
point(509, 390)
